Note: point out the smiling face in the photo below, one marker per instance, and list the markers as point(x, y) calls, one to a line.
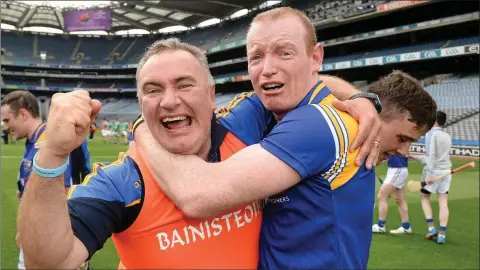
point(14, 122)
point(177, 101)
point(281, 68)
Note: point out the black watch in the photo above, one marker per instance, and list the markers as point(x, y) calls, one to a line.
point(372, 97)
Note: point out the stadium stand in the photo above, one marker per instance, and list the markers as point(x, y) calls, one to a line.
point(458, 95)
point(123, 109)
point(327, 11)
point(99, 51)
point(128, 109)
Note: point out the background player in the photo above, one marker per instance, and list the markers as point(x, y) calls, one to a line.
point(394, 182)
point(21, 116)
point(105, 130)
point(437, 162)
point(116, 131)
point(124, 130)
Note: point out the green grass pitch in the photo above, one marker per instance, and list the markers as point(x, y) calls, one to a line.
point(388, 251)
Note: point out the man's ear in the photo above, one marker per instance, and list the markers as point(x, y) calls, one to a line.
point(212, 96)
point(24, 114)
point(317, 56)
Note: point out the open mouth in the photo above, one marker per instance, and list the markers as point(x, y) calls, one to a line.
point(177, 122)
point(272, 86)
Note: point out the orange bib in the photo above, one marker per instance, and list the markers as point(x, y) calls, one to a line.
point(162, 237)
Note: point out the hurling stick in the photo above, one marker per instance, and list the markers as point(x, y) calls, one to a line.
point(415, 186)
point(464, 166)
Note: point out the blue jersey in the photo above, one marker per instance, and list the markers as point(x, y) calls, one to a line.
point(246, 117)
point(108, 201)
point(31, 148)
point(130, 136)
point(79, 161)
point(325, 220)
point(397, 161)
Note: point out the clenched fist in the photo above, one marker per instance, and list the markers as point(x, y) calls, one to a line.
point(69, 121)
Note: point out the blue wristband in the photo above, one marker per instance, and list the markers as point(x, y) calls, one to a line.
point(49, 173)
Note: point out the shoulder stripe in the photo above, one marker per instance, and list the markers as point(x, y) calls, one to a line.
point(134, 203)
point(334, 134)
point(224, 111)
point(137, 123)
point(341, 163)
point(120, 160)
point(341, 140)
point(70, 191)
point(316, 91)
point(40, 132)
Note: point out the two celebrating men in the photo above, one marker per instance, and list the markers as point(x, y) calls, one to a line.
point(274, 180)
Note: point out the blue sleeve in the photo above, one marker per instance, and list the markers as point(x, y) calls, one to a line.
point(107, 202)
point(130, 136)
point(246, 117)
point(303, 140)
point(86, 154)
point(68, 173)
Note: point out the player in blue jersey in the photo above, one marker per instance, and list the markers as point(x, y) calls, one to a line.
point(21, 116)
point(397, 174)
point(319, 202)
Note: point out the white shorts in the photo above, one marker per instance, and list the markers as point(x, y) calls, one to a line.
point(104, 132)
point(441, 186)
point(124, 132)
point(21, 264)
point(396, 177)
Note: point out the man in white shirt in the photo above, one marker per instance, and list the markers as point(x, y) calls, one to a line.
point(436, 162)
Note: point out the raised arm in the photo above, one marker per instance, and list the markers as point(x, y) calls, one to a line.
point(299, 146)
point(420, 158)
point(51, 243)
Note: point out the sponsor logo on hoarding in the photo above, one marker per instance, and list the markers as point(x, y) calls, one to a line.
point(430, 54)
point(398, 4)
point(345, 64)
point(452, 51)
point(241, 78)
point(471, 48)
point(392, 58)
point(410, 56)
point(374, 61)
point(328, 67)
point(456, 150)
point(358, 63)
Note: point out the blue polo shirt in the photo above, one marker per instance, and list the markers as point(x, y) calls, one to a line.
point(323, 222)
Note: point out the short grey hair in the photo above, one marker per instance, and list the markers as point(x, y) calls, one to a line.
point(174, 44)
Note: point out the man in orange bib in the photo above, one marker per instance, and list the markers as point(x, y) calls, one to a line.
point(121, 199)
